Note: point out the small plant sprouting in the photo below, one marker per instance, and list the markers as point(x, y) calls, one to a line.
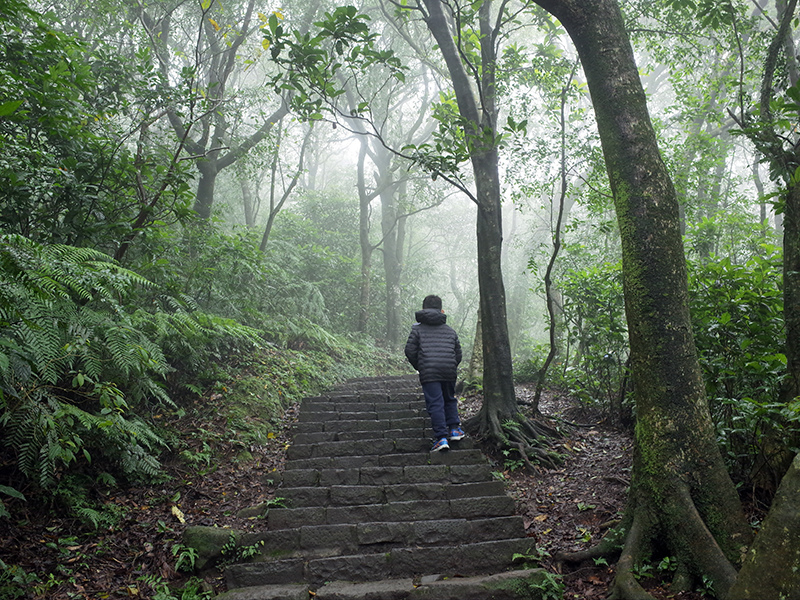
point(584, 535)
point(532, 558)
point(185, 557)
point(234, 553)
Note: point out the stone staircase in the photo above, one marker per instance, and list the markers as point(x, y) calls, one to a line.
point(372, 513)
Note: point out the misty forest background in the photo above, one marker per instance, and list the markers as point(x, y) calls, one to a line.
point(220, 206)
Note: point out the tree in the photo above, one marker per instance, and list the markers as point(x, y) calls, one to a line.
point(391, 187)
point(477, 118)
point(682, 501)
point(765, 127)
point(276, 204)
point(206, 67)
point(81, 164)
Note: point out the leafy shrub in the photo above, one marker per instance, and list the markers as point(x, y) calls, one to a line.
point(737, 317)
point(597, 338)
point(287, 292)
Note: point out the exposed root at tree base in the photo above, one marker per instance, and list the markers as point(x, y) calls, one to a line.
point(702, 557)
point(530, 439)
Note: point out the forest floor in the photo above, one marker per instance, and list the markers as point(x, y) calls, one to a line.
point(563, 510)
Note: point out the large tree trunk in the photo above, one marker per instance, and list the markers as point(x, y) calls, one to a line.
point(205, 188)
point(364, 200)
point(500, 401)
point(682, 502)
point(393, 227)
point(390, 236)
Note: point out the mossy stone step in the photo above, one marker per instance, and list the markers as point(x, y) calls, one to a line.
point(462, 453)
point(528, 584)
point(314, 541)
point(370, 446)
point(354, 495)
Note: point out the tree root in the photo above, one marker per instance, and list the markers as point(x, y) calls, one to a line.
point(609, 547)
point(529, 438)
point(703, 548)
point(625, 585)
point(699, 553)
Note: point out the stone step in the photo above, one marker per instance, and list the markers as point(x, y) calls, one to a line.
point(416, 407)
point(452, 559)
point(314, 541)
point(366, 430)
point(360, 424)
point(527, 584)
point(369, 383)
point(385, 397)
point(354, 495)
point(462, 453)
point(471, 507)
point(425, 473)
point(330, 418)
point(364, 447)
point(379, 431)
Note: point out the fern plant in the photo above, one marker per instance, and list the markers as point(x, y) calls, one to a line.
point(75, 367)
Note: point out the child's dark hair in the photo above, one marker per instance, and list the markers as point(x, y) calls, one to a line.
point(432, 302)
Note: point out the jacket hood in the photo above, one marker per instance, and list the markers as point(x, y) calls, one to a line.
point(430, 316)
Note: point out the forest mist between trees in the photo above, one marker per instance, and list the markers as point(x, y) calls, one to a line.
point(226, 194)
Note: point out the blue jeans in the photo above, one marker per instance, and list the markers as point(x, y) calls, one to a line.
point(442, 406)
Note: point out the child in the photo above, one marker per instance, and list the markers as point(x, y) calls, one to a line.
point(434, 350)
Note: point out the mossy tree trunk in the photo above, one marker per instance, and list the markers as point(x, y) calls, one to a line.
point(766, 131)
point(791, 288)
point(682, 503)
point(771, 570)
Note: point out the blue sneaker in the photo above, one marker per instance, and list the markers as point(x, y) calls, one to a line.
point(441, 445)
point(456, 433)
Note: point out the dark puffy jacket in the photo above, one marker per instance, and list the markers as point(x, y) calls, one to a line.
point(433, 347)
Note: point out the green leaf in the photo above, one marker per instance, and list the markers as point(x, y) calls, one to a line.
point(10, 107)
point(9, 491)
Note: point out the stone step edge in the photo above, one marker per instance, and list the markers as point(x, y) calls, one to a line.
point(371, 446)
point(509, 585)
point(456, 456)
point(422, 510)
point(362, 539)
point(213, 543)
point(398, 474)
point(454, 560)
point(357, 495)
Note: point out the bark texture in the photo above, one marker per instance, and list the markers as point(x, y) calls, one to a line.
point(682, 503)
point(771, 570)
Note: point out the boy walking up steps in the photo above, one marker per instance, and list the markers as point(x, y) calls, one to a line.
point(434, 350)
